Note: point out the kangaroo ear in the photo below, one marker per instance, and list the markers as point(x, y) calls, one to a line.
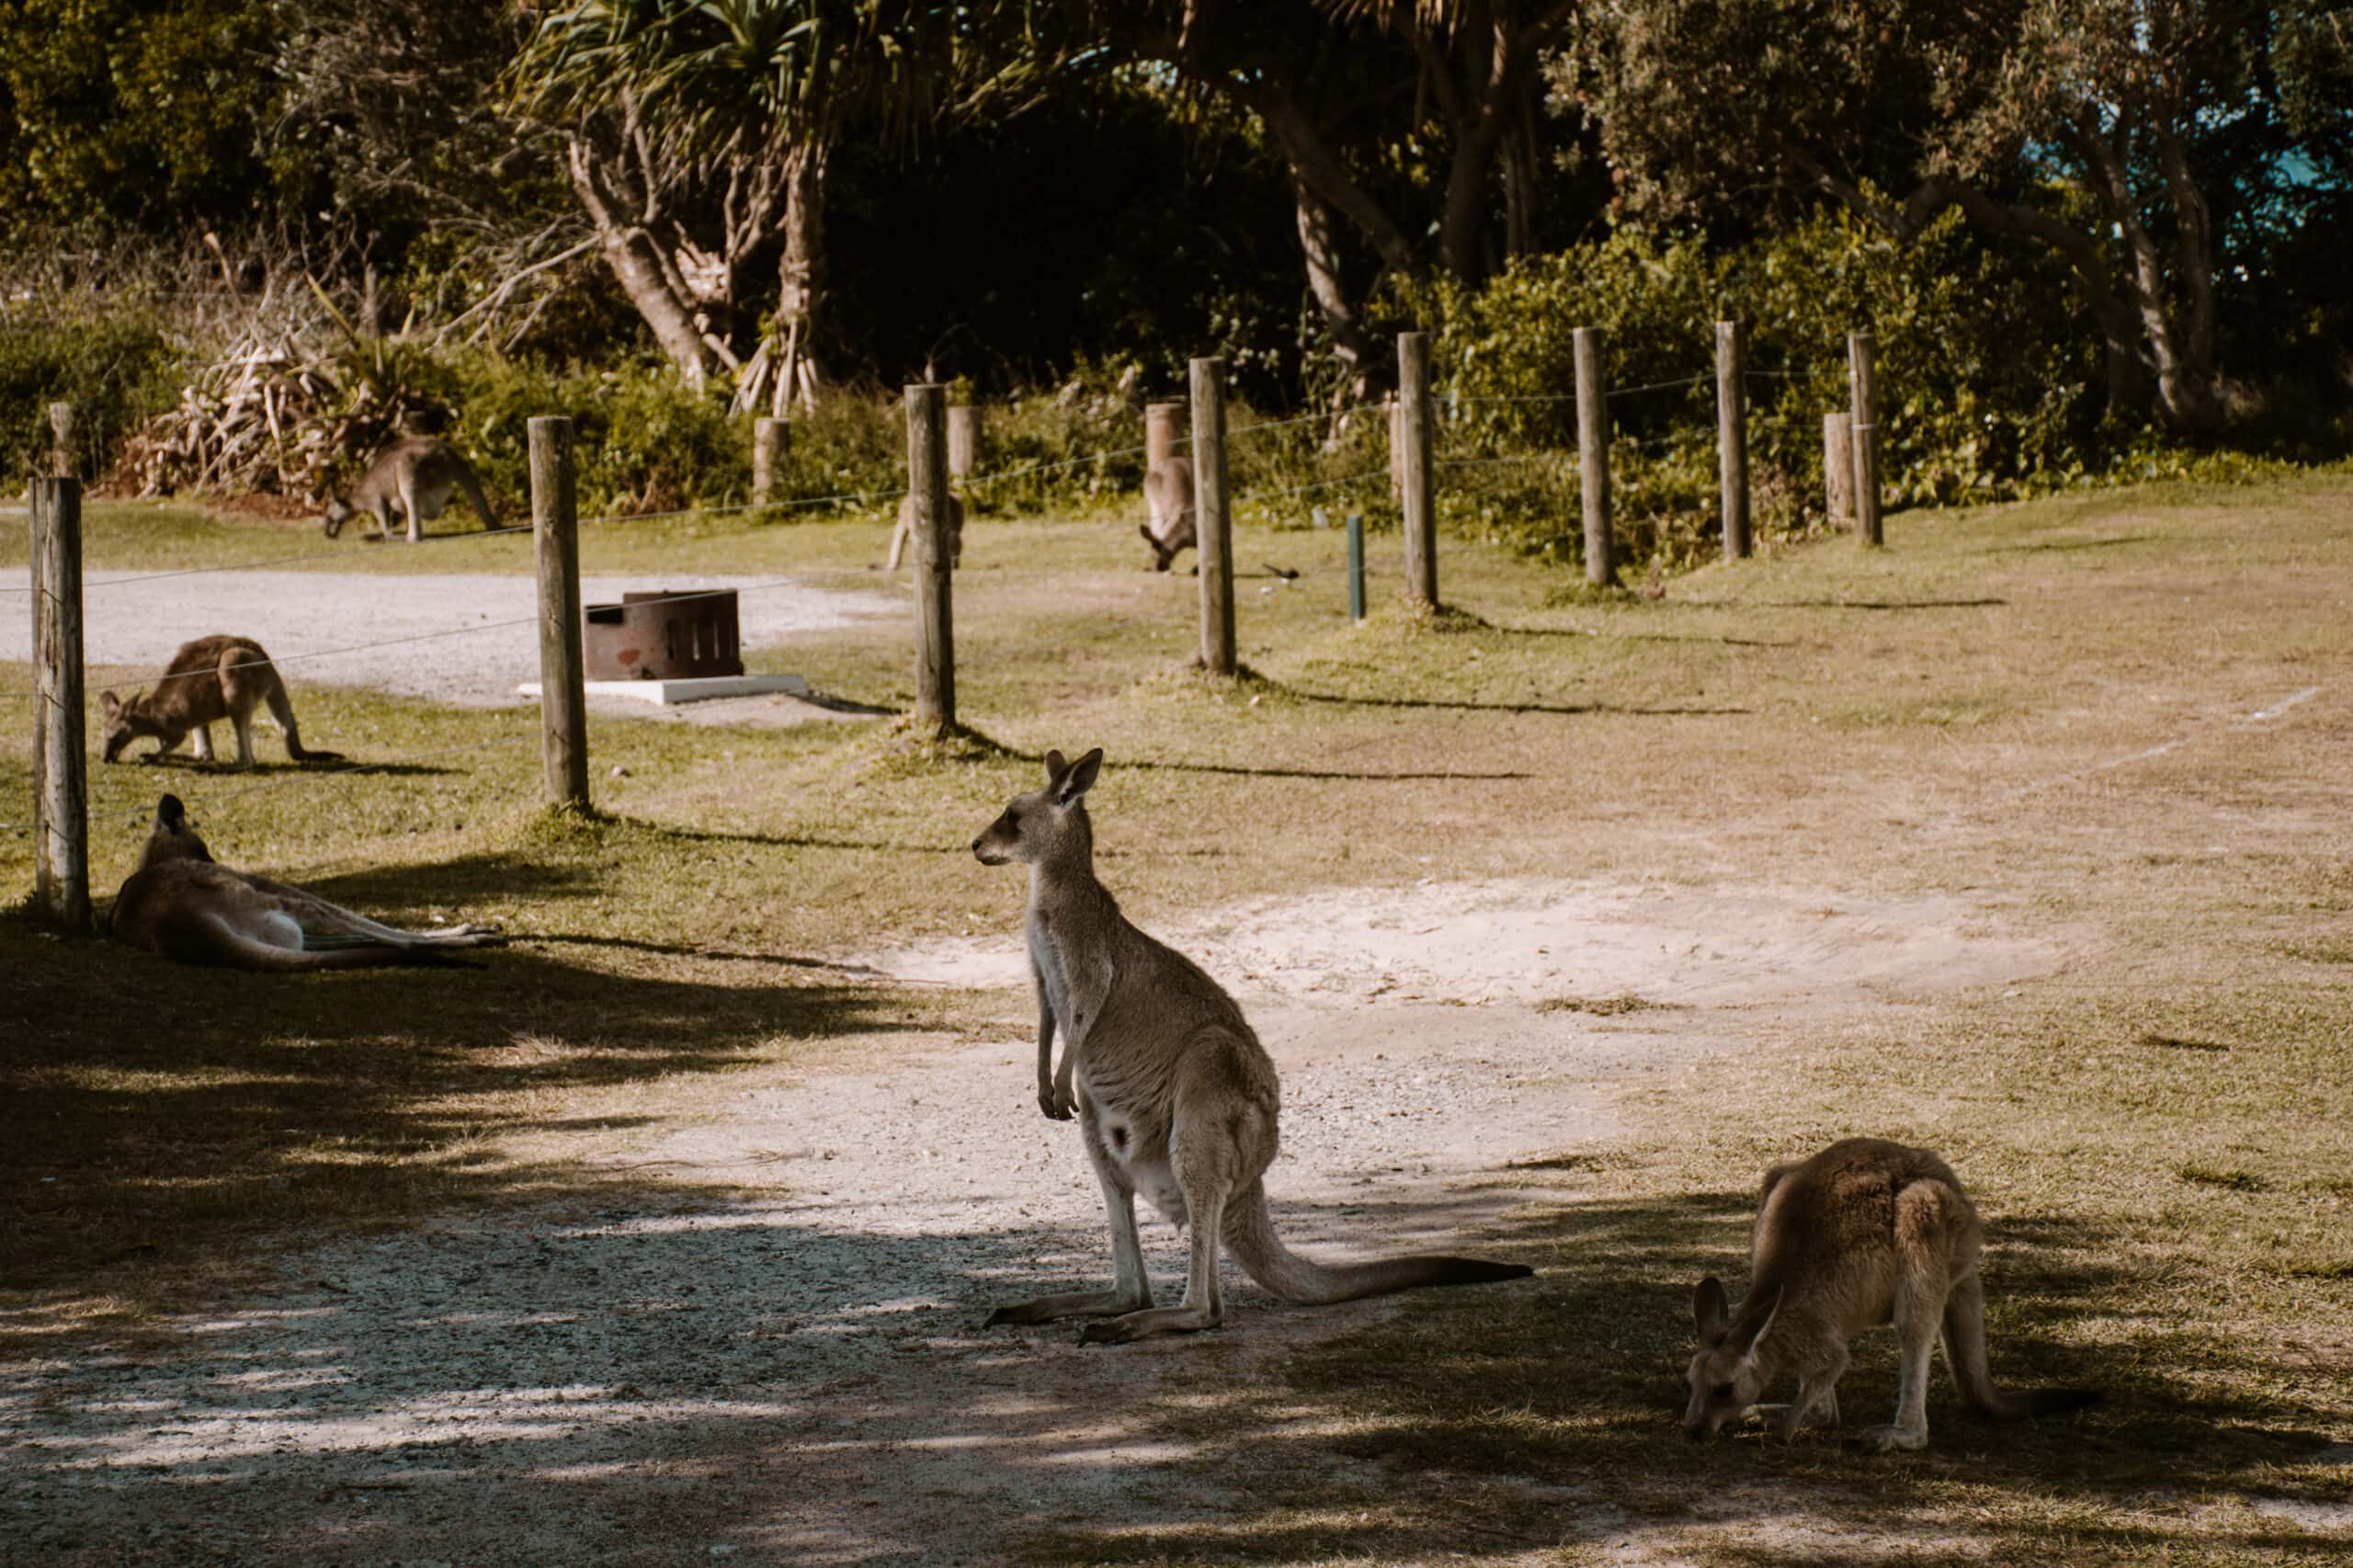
point(169, 813)
point(1708, 1308)
point(110, 704)
point(1748, 1345)
point(1056, 769)
point(1081, 777)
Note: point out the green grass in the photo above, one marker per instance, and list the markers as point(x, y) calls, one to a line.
point(2159, 1135)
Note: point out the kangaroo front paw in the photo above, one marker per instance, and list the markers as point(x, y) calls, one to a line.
point(1889, 1440)
point(1056, 1105)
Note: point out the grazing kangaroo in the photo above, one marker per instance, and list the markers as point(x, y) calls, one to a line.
point(1176, 1097)
point(1169, 490)
point(1865, 1233)
point(180, 905)
point(905, 531)
point(412, 478)
point(208, 680)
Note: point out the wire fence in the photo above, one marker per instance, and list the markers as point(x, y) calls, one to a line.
point(1469, 450)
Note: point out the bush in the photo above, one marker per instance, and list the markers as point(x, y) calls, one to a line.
point(1988, 387)
point(117, 369)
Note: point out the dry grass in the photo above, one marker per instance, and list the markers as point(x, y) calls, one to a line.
point(2160, 1136)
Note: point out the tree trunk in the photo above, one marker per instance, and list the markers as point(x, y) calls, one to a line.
point(635, 258)
point(800, 276)
point(1320, 247)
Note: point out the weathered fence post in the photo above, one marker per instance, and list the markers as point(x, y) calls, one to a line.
point(1731, 435)
point(1356, 565)
point(934, 608)
point(1213, 516)
point(555, 544)
point(770, 439)
point(1838, 468)
point(1865, 435)
point(61, 762)
point(1160, 422)
point(1593, 458)
point(1418, 477)
point(963, 442)
point(65, 460)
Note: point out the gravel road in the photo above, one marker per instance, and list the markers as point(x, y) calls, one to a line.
point(314, 623)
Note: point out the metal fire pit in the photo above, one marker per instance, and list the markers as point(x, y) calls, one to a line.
point(664, 636)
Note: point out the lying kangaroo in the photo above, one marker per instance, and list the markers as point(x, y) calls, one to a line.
point(179, 904)
point(1176, 1097)
point(905, 531)
point(208, 680)
point(1865, 1233)
point(1168, 491)
point(412, 478)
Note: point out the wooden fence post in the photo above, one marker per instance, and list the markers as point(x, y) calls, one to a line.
point(1355, 566)
point(1864, 432)
point(61, 760)
point(1160, 422)
point(555, 544)
point(1418, 478)
point(65, 460)
point(1838, 468)
point(963, 442)
point(1213, 516)
point(1731, 435)
point(770, 439)
point(1593, 458)
point(935, 605)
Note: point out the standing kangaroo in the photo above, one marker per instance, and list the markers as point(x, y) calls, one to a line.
point(1865, 1233)
point(905, 531)
point(412, 478)
point(1176, 1097)
point(1168, 491)
point(179, 904)
point(208, 680)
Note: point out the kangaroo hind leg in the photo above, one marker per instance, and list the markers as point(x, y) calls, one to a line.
point(1929, 1216)
point(1131, 1290)
point(1208, 1164)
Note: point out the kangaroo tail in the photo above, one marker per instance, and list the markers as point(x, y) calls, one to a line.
point(282, 709)
point(1965, 1349)
point(1250, 1237)
point(210, 940)
point(475, 497)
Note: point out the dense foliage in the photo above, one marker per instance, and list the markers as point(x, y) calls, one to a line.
point(2079, 232)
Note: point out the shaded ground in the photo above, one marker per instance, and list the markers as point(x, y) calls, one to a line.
point(2039, 853)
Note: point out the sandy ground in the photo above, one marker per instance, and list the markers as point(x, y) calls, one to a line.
point(800, 1376)
point(384, 630)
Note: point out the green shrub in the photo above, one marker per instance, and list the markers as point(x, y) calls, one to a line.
point(117, 369)
point(1987, 386)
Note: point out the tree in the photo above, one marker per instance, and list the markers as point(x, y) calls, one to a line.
point(699, 131)
point(2141, 140)
point(1359, 96)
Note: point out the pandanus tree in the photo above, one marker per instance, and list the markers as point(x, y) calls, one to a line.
point(697, 134)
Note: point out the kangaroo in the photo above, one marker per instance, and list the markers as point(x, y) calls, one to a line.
point(1865, 1233)
point(1175, 1095)
point(1169, 490)
point(412, 478)
point(905, 531)
point(180, 905)
point(208, 680)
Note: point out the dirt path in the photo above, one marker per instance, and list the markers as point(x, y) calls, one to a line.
point(314, 623)
point(799, 1374)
